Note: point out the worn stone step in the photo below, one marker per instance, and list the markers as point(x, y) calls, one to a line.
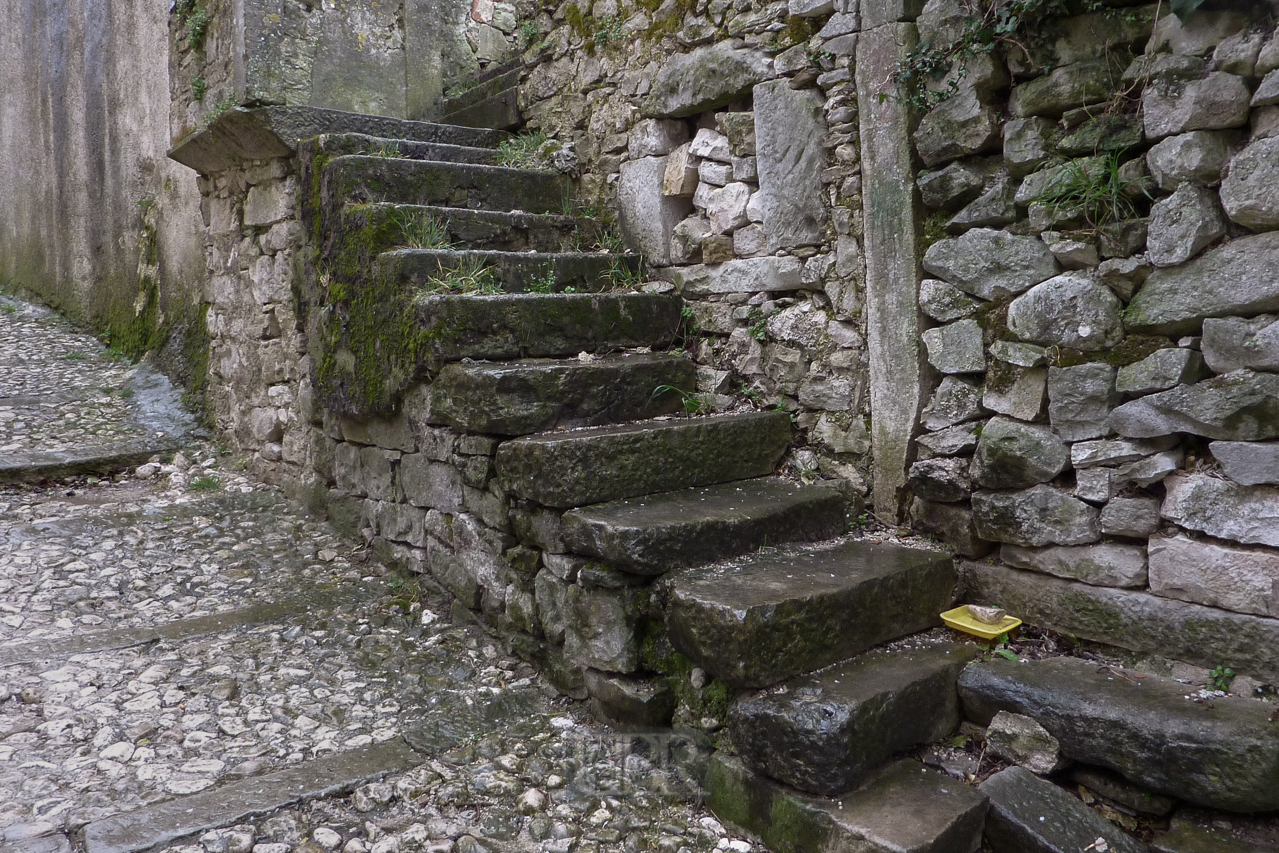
point(513, 272)
point(827, 732)
point(35, 466)
point(1221, 754)
point(777, 614)
point(482, 87)
point(590, 466)
point(501, 111)
point(906, 808)
point(1032, 815)
point(675, 530)
point(526, 325)
point(500, 230)
point(536, 395)
point(345, 144)
point(354, 179)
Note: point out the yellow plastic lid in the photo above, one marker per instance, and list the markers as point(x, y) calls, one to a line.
point(961, 620)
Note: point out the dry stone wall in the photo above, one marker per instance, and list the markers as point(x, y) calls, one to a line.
point(1102, 292)
point(725, 136)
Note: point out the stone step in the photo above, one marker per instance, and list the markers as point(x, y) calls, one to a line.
point(355, 179)
point(537, 395)
point(906, 808)
point(1221, 754)
point(1032, 815)
point(483, 87)
point(827, 732)
point(675, 530)
point(345, 144)
point(513, 272)
point(590, 466)
point(527, 325)
point(777, 614)
point(35, 466)
point(500, 111)
point(499, 230)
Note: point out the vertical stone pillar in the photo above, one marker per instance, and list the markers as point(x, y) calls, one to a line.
point(424, 24)
point(892, 219)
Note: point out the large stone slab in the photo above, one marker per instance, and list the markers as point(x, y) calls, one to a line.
point(961, 125)
point(1066, 87)
point(956, 348)
point(1248, 514)
point(1070, 310)
point(1252, 463)
point(536, 395)
point(775, 615)
point(745, 275)
point(1104, 564)
point(1238, 406)
point(1215, 102)
point(907, 808)
point(1182, 224)
point(1033, 517)
point(1197, 157)
point(1250, 191)
point(1014, 455)
point(1080, 399)
point(674, 530)
point(360, 179)
point(829, 730)
point(705, 78)
point(1222, 756)
point(991, 264)
point(567, 469)
point(1238, 579)
point(1231, 343)
point(1032, 815)
point(1239, 278)
point(645, 214)
point(790, 127)
point(1131, 619)
point(1161, 370)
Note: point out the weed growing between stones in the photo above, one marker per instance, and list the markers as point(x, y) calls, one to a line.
point(420, 230)
point(1100, 194)
point(386, 149)
point(471, 277)
point(543, 282)
point(1220, 678)
point(622, 276)
point(690, 402)
point(207, 483)
point(219, 109)
point(523, 152)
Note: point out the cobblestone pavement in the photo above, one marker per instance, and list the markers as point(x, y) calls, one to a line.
point(189, 662)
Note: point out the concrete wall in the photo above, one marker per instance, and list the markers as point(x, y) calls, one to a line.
point(93, 218)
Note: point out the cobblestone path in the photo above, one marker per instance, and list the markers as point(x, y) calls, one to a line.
point(189, 662)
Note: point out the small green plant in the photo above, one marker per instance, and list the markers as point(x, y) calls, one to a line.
point(420, 230)
point(523, 151)
point(624, 275)
point(387, 148)
point(860, 522)
point(607, 31)
point(1220, 678)
point(75, 356)
point(219, 109)
point(527, 33)
point(757, 326)
point(471, 277)
point(1002, 648)
point(755, 395)
point(199, 88)
point(689, 401)
point(126, 393)
point(197, 28)
point(7, 308)
point(1094, 189)
point(207, 483)
point(543, 282)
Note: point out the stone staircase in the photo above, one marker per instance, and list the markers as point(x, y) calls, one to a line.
point(684, 558)
point(492, 100)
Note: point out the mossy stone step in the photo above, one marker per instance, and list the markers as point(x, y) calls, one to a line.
point(499, 230)
point(535, 395)
point(513, 272)
point(354, 179)
point(482, 88)
point(590, 466)
point(346, 144)
point(528, 325)
point(827, 732)
point(773, 615)
point(674, 530)
point(906, 808)
point(500, 110)
point(1222, 754)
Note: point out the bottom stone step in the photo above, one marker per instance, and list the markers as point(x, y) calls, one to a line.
point(673, 530)
point(828, 731)
point(1032, 815)
point(51, 465)
point(906, 808)
point(776, 614)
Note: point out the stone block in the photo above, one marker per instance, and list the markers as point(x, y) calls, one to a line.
point(1037, 516)
point(956, 348)
point(1233, 343)
point(962, 125)
point(1250, 190)
point(740, 130)
point(710, 144)
point(647, 216)
point(1216, 102)
point(944, 302)
point(1019, 354)
point(1019, 740)
point(653, 137)
point(1028, 143)
point(269, 203)
point(686, 239)
point(1197, 157)
point(1014, 455)
point(1095, 485)
point(703, 79)
point(715, 174)
point(790, 128)
point(726, 207)
point(990, 264)
point(1240, 579)
point(993, 208)
point(1161, 370)
point(1104, 564)
point(1064, 88)
point(1072, 254)
point(1223, 509)
point(952, 441)
point(745, 275)
point(1240, 406)
point(955, 185)
point(1019, 394)
point(1249, 463)
point(1198, 34)
point(1183, 224)
point(1124, 275)
point(1132, 517)
point(943, 479)
point(424, 483)
point(1070, 310)
point(1080, 400)
point(600, 627)
point(955, 401)
point(645, 702)
point(1032, 815)
point(1086, 454)
point(952, 523)
point(681, 176)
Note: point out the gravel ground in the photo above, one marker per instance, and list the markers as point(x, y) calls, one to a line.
point(317, 651)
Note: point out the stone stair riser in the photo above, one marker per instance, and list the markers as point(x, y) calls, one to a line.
point(514, 272)
point(358, 178)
